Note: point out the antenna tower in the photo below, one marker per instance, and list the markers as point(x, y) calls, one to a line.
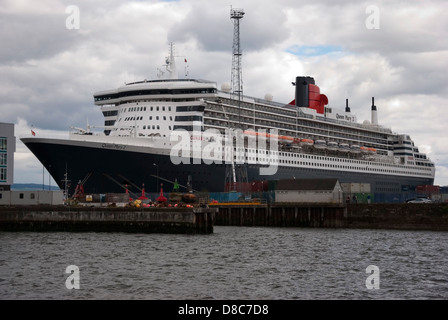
point(236, 173)
point(237, 72)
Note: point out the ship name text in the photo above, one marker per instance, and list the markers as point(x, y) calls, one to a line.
point(113, 146)
point(344, 117)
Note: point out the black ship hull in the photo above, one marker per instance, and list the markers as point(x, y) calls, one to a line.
point(112, 170)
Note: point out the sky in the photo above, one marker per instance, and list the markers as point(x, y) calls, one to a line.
point(56, 54)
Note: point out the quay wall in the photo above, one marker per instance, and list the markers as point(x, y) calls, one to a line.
point(149, 220)
point(202, 220)
point(407, 216)
point(372, 216)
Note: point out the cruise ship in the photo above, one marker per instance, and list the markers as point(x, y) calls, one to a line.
point(305, 138)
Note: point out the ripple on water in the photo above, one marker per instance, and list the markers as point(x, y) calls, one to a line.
point(231, 263)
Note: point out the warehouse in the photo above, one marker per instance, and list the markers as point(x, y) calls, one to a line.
point(309, 191)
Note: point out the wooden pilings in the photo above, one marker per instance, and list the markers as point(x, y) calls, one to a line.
point(403, 216)
point(281, 215)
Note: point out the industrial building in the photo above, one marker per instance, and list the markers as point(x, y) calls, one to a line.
point(31, 197)
point(7, 149)
point(18, 197)
point(309, 191)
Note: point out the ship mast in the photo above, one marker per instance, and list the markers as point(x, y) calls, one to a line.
point(171, 63)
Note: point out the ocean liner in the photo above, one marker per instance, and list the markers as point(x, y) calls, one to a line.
point(305, 138)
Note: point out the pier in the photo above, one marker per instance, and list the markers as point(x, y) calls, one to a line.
point(149, 220)
point(198, 220)
point(362, 216)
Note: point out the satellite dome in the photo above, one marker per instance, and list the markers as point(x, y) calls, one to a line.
point(366, 122)
point(225, 87)
point(268, 97)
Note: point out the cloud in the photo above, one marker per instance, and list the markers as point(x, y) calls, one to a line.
point(31, 36)
point(212, 27)
point(48, 73)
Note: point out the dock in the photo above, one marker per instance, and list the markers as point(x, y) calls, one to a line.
point(84, 219)
point(201, 220)
point(404, 216)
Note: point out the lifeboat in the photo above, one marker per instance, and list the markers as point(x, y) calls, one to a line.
point(306, 142)
point(320, 144)
point(286, 139)
point(332, 146)
point(250, 133)
point(354, 148)
point(262, 135)
point(364, 149)
point(296, 141)
point(344, 147)
point(371, 150)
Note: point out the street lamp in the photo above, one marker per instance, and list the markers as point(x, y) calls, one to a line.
point(157, 177)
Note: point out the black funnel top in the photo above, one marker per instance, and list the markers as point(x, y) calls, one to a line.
point(347, 109)
point(302, 90)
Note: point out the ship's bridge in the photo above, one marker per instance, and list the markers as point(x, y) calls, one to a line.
point(150, 88)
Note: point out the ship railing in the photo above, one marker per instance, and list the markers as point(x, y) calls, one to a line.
point(352, 124)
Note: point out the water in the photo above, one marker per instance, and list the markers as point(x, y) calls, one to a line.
point(232, 263)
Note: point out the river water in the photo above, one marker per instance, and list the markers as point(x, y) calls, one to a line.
point(234, 263)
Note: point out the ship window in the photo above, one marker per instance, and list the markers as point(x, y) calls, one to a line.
point(190, 108)
point(3, 159)
point(169, 108)
point(150, 118)
point(157, 118)
point(153, 126)
point(158, 127)
point(144, 127)
point(163, 108)
point(157, 108)
point(164, 118)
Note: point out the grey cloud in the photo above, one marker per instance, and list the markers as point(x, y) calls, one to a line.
point(26, 36)
point(212, 28)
